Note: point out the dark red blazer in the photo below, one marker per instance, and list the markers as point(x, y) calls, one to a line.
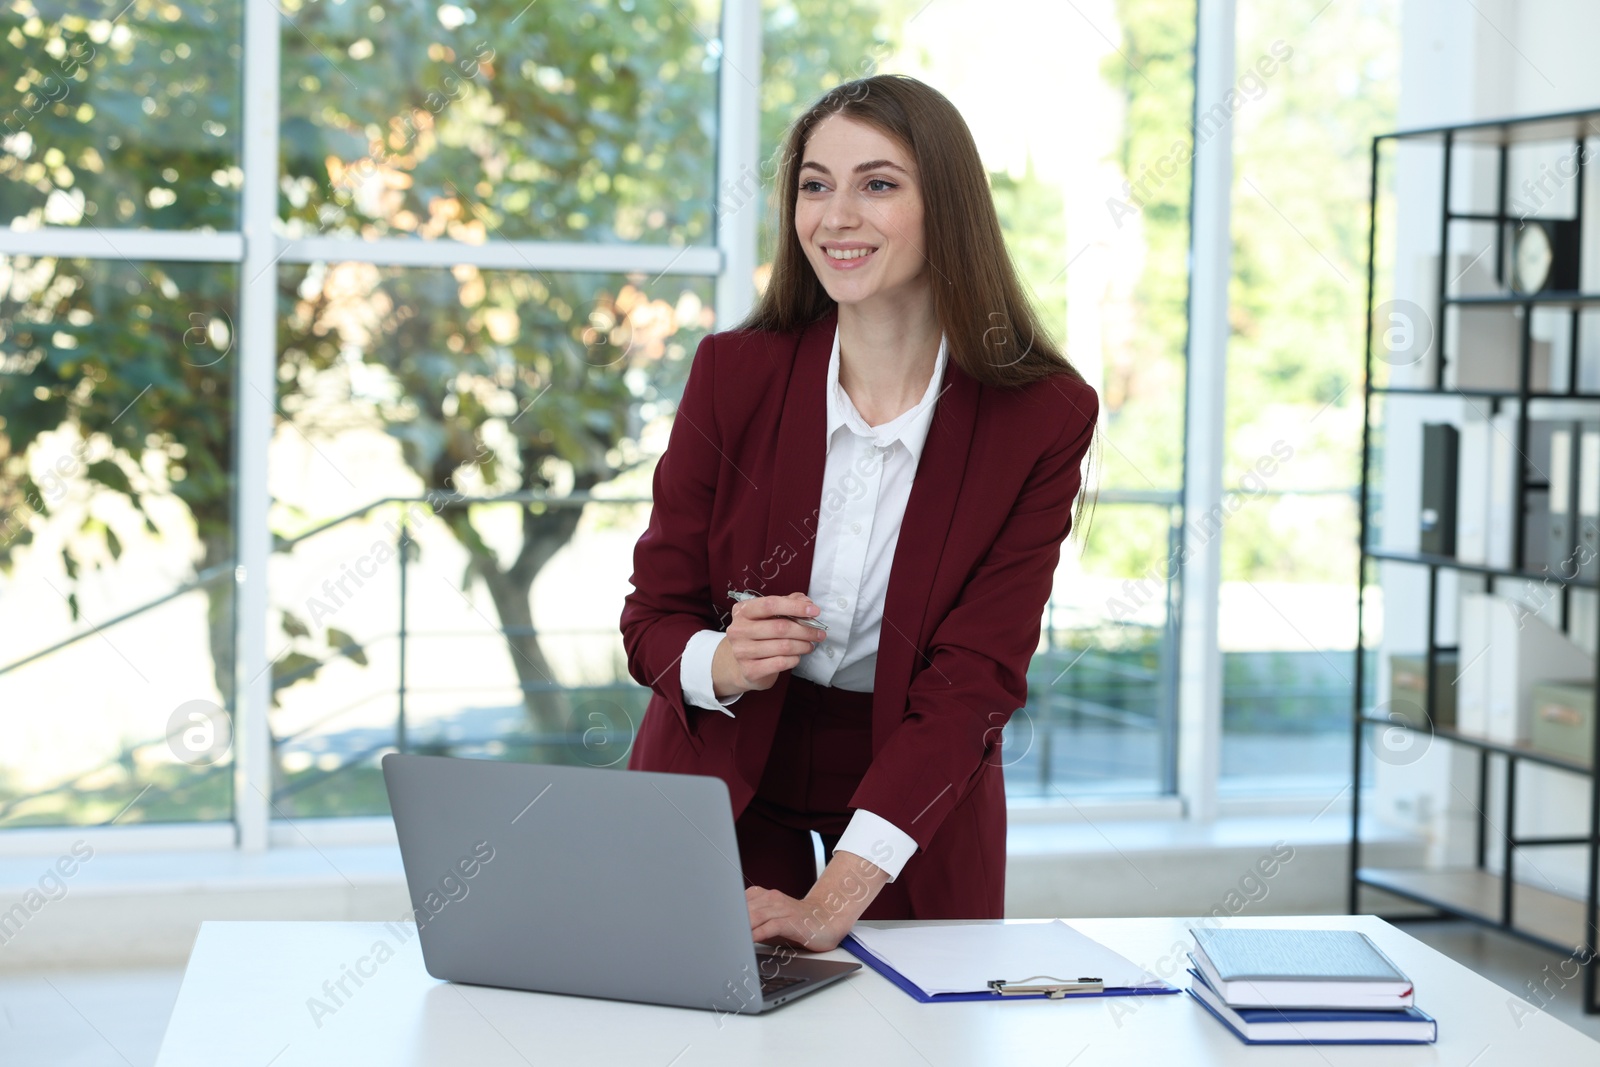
point(737, 500)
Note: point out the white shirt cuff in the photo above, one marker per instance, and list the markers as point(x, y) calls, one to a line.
point(875, 838)
point(695, 672)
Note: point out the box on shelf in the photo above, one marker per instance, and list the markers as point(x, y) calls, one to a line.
point(1487, 354)
point(1507, 650)
point(1408, 689)
point(1563, 720)
point(1469, 276)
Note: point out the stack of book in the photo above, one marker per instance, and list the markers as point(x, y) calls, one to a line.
point(1301, 987)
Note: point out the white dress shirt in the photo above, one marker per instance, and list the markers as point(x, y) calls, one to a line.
point(866, 482)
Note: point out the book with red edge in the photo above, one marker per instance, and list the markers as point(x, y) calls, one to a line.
point(1302, 1026)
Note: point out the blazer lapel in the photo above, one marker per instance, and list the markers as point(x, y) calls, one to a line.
point(788, 545)
point(923, 534)
point(798, 467)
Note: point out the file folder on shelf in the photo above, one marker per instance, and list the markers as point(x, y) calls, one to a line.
point(965, 961)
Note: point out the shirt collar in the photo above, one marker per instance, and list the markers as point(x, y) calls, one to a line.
point(910, 428)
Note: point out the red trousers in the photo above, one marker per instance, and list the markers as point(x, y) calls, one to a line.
point(822, 748)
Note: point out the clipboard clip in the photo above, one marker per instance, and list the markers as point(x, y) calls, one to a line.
point(1056, 990)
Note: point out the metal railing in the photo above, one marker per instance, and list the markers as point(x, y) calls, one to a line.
point(1128, 690)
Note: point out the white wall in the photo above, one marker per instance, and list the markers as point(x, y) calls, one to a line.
point(1509, 57)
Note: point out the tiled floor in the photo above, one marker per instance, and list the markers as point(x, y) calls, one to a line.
point(116, 1018)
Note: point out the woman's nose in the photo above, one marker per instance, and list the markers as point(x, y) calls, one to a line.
point(843, 212)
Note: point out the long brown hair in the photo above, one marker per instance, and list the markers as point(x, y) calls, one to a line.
point(993, 329)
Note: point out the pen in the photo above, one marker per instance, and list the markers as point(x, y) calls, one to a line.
point(815, 624)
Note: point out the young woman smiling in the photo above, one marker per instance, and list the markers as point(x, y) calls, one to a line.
point(889, 444)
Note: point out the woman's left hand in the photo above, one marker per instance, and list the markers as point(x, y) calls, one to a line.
point(820, 921)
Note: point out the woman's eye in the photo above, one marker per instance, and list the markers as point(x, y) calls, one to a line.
point(805, 187)
point(881, 181)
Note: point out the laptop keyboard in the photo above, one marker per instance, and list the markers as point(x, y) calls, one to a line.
point(778, 982)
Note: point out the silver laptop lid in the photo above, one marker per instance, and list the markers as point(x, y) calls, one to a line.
point(607, 883)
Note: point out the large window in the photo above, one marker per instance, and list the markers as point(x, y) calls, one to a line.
point(335, 440)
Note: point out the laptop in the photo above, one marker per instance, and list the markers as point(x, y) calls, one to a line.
point(587, 881)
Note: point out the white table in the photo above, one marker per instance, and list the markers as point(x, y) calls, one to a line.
point(244, 1003)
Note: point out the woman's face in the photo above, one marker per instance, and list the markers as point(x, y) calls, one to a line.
point(858, 213)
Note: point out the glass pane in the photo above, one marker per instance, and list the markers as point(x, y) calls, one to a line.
point(1309, 106)
point(448, 389)
point(573, 121)
point(1098, 717)
point(120, 120)
point(1288, 632)
point(116, 541)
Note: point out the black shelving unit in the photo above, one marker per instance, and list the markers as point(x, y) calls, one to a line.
point(1556, 922)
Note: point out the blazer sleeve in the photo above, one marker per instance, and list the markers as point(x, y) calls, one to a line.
point(671, 598)
point(976, 676)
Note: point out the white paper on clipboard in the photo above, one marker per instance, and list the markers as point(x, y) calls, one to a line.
point(963, 958)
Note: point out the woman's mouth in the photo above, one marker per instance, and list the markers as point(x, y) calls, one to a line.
point(848, 258)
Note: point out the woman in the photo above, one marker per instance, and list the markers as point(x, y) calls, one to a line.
point(893, 340)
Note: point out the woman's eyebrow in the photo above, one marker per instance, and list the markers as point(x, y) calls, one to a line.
point(860, 168)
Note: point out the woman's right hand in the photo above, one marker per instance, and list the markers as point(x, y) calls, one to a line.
point(760, 643)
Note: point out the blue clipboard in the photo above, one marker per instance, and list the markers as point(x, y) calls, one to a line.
point(859, 951)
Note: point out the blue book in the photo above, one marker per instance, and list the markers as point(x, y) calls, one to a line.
point(1285, 968)
point(1300, 1026)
